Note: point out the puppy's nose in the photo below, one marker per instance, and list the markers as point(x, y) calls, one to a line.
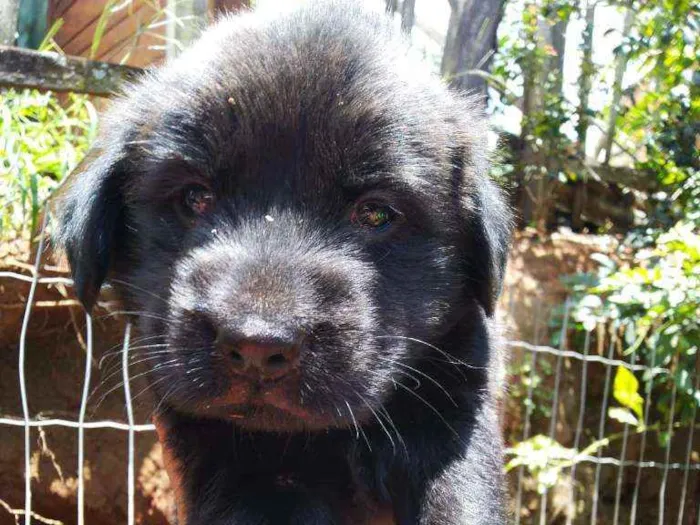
point(264, 358)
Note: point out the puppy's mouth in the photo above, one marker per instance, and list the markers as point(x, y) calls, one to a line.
point(270, 406)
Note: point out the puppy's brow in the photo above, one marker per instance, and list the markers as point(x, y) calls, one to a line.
point(159, 178)
point(175, 162)
point(402, 184)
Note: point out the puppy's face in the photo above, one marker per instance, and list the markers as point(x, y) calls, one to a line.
point(297, 221)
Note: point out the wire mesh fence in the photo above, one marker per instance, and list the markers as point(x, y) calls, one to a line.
point(607, 474)
point(584, 471)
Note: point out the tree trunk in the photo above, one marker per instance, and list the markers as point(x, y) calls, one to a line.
point(408, 15)
point(556, 63)
point(586, 80)
point(471, 43)
point(542, 77)
point(620, 67)
point(188, 18)
point(9, 11)
point(585, 83)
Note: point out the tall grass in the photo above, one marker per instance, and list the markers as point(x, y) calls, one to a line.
point(43, 138)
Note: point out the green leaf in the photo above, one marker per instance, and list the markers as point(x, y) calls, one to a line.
point(543, 457)
point(622, 415)
point(626, 391)
point(603, 260)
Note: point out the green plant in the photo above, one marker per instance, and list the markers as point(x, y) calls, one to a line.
point(664, 114)
point(529, 376)
point(545, 458)
point(43, 138)
point(653, 302)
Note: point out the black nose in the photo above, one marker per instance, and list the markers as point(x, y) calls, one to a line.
point(261, 356)
point(265, 359)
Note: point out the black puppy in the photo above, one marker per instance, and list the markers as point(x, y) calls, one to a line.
point(304, 223)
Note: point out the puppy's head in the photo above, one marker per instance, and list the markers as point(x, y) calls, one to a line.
point(297, 216)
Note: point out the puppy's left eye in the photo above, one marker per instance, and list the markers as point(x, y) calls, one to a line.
point(374, 215)
point(197, 199)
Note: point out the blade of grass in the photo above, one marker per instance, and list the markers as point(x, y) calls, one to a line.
point(47, 43)
point(101, 27)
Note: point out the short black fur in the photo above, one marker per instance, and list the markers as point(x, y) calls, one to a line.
point(291, 122)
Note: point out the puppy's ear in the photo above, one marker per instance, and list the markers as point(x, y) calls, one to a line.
point(89, 209)
point(487, 217)
point(491, 226)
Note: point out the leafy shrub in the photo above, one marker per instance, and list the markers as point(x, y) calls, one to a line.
point(654, 303)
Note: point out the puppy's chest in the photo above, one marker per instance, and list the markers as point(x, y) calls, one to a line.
point(351, 501)
point(282, 480)
point(290, 489)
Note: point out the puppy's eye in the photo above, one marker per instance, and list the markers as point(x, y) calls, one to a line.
point(197, 199)
point(374, 215)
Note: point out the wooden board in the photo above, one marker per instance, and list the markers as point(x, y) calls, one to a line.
point(80, 20)
point(24, 68)
point(125, 34)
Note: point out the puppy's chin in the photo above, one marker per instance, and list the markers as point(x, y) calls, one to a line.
point(271, 407)
point(268, 418)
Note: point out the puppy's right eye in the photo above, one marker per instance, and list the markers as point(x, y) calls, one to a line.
point(197, 200)
point(374, 216)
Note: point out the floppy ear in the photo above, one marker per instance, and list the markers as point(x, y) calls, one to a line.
point(90, 212)
point(491, 229)
point(487, 217)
